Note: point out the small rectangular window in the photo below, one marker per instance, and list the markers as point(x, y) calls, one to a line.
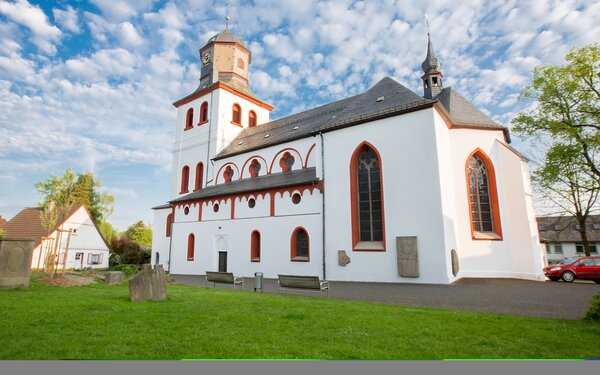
point(558, 248)
point(548, 249)
point(579, 247)
point(542, 228)
point(596, 226)
point(557, 227)
point(593, 249)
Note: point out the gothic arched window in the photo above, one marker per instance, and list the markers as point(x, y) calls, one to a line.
point(300, 245)
point(367, 200)
point(169, 223)
point(483, 198)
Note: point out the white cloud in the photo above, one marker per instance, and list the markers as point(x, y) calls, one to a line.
point(68, 19)
point(33, 18)
point(118, 10)
point(129, 36)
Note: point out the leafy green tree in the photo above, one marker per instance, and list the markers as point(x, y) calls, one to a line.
point(72, 189)
point(126, 251)
point(566, 118)
point(140, 233)
point(568, 105)
point(571, 187)
point(107, 231)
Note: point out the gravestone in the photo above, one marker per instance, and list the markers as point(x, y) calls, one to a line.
point(407, 256)
point(149, 284)
point(15, 263)
point(455, 267)
point(113, 277)
point(343, 258)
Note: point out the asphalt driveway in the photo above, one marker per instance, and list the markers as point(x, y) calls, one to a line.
point(503, 296)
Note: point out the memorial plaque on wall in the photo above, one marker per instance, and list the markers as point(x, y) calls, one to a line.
point(407, 256)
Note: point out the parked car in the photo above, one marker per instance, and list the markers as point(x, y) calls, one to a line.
point(575, 268)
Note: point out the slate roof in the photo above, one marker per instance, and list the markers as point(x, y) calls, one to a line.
point(227, 37)
point(564, 229)
point(27, 224)
point(276, 180)
point(355, 110)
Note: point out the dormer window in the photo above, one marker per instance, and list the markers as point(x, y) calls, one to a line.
point(251, 119)
point(236, 116)
point(189, 119)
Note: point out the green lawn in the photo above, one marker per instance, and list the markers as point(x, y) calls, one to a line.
point(99, 322)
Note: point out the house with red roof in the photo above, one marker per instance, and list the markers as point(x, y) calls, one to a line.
point(75, 236)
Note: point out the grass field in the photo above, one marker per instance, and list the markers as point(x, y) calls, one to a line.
point(99, 322)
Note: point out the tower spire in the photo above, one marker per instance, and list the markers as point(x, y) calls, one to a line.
point(432, 70)
point(227, 16)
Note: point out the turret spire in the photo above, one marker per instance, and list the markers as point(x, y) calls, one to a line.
point(432, 70)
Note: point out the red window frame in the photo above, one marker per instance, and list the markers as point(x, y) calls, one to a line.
point(185, 179)
point(203, 113)
point(283, 160)
point(255, 246)
point(251, 119)
point(228, 174)
point(169, 222)
point(190, 246)
point(236, 114)
point(354, 201)
point(199, 176)
point(496, 233)
point(294, 249)
point(189, 119)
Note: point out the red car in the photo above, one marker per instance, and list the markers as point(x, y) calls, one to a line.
point(575, 268)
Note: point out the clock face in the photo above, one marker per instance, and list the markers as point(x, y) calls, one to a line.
point(206, 57)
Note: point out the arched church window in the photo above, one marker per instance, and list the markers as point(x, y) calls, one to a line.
point(254, 168)
point(300, 245)
point(199, 176)
point(255, 246)
point(483, 198)
point(185, 179)
point(286, 162)
point(236, 116)
point(189, 119)
point(203, 113)
point(367, 200)
point(169, 223)
point(190, 246)
point(228, 174)
point(251, 119)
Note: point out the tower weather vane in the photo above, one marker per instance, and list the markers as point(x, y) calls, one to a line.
point(426, 22)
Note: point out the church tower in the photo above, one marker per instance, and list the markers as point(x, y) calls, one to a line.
point(432, 73)
point(215, 113)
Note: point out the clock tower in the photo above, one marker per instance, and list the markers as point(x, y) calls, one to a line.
point(225, 59)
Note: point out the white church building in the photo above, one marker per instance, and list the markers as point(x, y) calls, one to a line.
point(384, 186)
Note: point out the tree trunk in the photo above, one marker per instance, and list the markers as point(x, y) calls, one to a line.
point(583, 233)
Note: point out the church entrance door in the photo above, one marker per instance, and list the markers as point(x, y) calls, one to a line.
point(222, 261)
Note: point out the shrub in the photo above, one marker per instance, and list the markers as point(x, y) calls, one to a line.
point(2, 233)
point(128, 251)
point(594, 311)
point(128, 269)
point(146, 256)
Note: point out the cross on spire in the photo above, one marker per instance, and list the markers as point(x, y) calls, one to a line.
point(227, 16)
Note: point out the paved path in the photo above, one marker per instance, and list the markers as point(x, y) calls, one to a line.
point(504, 296)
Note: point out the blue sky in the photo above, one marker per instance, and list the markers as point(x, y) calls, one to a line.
point(89, 84)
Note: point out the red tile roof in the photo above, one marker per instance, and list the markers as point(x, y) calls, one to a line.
point(27, 224)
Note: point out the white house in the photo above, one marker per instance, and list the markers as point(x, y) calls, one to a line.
point(562, 238)
point(385, 186)
point(86, 247)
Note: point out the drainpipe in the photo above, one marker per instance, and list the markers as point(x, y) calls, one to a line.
point(171, 238)
point(323, 201)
